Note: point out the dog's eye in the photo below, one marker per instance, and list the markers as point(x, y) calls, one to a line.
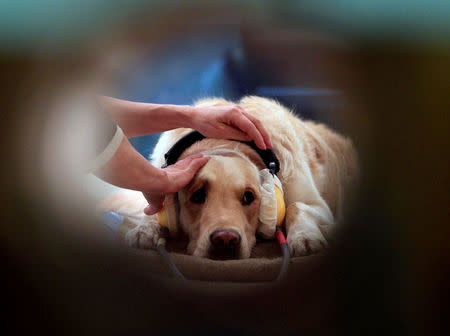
point(198, 196)
point(247, 198)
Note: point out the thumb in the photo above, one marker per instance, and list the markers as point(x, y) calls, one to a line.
point(196, 164)
point(155, 200)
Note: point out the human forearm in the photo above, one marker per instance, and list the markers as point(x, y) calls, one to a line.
point(128, 169)
point(144, 118)
point(218, 121)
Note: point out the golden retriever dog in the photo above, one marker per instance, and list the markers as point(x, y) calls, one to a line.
point(220, 206)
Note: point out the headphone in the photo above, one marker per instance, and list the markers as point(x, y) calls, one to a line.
point(272, 209)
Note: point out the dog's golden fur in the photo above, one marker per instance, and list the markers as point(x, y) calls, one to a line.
point(317, 168)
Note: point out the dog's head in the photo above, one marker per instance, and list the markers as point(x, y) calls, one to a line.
point(219, 209)
point(233, 196)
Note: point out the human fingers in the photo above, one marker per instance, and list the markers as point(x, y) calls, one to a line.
point(179, 178)
point(241, 121)
point(258, 124)
point(230, 132)
point(196, 164)
point(182, 164)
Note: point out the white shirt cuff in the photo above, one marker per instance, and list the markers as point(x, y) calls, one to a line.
point(108, 152)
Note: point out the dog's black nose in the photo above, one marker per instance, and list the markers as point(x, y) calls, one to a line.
point(225, 238)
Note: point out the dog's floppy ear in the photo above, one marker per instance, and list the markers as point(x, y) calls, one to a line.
point(272, 209)
point(168, 216)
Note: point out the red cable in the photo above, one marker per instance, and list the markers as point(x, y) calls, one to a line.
point(280, 236)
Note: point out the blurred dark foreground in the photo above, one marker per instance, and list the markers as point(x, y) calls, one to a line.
point(389, 269)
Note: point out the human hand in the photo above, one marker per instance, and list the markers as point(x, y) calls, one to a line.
point(230, 122)
point(177, 176)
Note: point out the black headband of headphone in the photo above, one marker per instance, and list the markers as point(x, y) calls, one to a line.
point(267, 155)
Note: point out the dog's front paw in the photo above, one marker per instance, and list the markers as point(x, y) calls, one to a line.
point(144, 236)
point(306, 243)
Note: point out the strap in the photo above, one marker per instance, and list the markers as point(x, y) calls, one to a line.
point(173, 154)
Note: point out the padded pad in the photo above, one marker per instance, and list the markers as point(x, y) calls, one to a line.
point(263, 265)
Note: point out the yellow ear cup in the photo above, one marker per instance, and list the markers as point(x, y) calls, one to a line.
point(167, 216)
point(161, 217)
point(281, 207)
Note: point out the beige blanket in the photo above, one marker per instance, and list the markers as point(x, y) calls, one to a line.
point(264, 264)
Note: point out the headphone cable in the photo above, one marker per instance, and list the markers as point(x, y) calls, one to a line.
point(165, 256)
point(114, 219)
point(285, 252)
